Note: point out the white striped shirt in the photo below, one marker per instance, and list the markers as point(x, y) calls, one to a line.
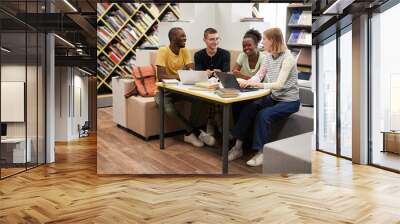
point(279, 75)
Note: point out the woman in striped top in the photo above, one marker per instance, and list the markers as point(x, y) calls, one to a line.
point(278, 73)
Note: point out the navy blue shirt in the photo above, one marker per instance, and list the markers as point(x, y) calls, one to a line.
point(221, 60)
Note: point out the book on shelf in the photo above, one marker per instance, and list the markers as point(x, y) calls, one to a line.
point(294, 18)
point(119, 49)
point(153, 40)
point(105, 31)
point(102, 71)
point(111, 23)
point(255, 12)
point(305, 18)
point(117, 22)
point(114, 57)
point(138, 24)
point(300, 17)
point(105, 63)
point(169, 17)
point(227, 92)
point(102, 7)
point(128, 7)
point(147, 19)
point(154, 9)
point(300, 37)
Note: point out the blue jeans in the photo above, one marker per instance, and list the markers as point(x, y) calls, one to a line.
point(265, 111)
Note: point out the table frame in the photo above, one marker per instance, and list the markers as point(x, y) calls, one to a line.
point(226, 103)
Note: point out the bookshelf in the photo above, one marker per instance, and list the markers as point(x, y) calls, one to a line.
point(298, 34)
point(121, 29)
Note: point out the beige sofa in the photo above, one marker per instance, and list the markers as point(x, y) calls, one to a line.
point(141, 114)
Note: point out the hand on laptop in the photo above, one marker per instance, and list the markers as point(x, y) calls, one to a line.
point(209, 73)
point(246, 83)
point(212, 73)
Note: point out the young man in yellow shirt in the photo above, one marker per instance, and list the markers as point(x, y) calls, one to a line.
point(169, 60)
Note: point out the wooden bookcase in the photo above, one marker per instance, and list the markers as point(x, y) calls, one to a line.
point(298, 34)
point(121, 29)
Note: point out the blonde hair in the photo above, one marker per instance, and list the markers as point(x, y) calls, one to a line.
point(278, 43)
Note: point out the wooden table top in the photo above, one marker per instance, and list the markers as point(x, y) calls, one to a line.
point(211, 95)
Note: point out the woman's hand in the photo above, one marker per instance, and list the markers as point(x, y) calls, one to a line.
point(237, 73)
point(247, 83)
point(244, 83)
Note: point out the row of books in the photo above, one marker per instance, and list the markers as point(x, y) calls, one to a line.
point(153, 40)
point(126, 65)
point(300, 17)
point(104, 65)
point(104, 35)
point(102, 7)
point(155, 10)
point(300, 37)
point(143, 21)
point(130, 8)
point(129, 35)
point(169, 16)
point(116, 19)
point(117, 52)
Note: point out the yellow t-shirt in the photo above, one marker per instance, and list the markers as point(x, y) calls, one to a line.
point(171, 61)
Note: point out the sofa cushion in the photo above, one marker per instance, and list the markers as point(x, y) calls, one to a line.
point(143, 116)
point(290, 155)
point(297, 123)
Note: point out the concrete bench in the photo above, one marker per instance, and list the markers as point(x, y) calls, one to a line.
point(289, 155)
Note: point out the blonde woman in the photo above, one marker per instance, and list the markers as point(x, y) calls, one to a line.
point(278, 73)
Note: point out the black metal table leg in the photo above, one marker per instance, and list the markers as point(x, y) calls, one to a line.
point(225, 137)
point(161, 118)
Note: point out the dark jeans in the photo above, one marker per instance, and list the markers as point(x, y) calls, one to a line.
point(265, 111)
point(171, 109)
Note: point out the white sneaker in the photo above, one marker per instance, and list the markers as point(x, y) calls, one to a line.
point(207, 138)
point(210, 128)
point(235, 153)
point(257, 159)
point(192, 139)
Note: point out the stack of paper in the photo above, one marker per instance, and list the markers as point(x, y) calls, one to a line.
point(170, 81)
point(207, 85)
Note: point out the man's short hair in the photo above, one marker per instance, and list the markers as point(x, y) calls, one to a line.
point(172, 32)
point(209, 31)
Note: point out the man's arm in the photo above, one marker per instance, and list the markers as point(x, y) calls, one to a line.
point(189, 66)
point(198, 63)
point(188, 61)
point(162, 74)
point(238, 74)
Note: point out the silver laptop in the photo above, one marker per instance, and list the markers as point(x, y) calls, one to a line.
point(190, 77)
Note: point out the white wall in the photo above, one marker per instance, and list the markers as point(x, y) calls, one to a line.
point(70, 83)
point(200, 15)
point(225, 17)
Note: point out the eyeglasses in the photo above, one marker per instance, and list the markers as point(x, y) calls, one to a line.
point(214, 39)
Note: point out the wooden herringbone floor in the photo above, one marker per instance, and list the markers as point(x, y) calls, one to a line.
point(121, 152)
point(70, 191)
